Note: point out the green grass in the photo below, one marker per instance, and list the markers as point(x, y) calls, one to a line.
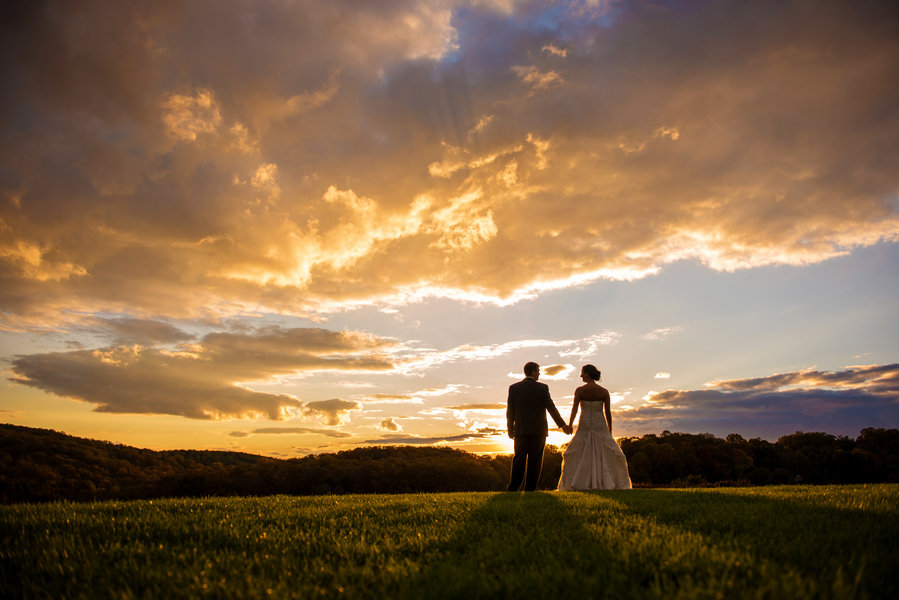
point(778, 542)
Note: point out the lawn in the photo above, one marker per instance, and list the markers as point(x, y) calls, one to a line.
point(771, 542)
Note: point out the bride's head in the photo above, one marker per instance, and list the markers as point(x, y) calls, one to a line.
point(591, 372)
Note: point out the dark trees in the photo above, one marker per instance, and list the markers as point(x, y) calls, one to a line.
point(40, 465)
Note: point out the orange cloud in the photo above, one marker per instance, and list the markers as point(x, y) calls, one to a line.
point(290, 431)
point(187, 116)
point(389, 424)
point(536, 78)
point(333, 411)
point(208, 378)
point(477, 407)
point(388, 155)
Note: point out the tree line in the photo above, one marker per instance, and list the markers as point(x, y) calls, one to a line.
point(813, 457)
point(41, 465)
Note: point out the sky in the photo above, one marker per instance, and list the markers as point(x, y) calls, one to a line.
point(293, 227)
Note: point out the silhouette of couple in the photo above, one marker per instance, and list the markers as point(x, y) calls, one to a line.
point(592, 461)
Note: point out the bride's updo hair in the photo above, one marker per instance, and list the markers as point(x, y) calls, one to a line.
point(591, 372)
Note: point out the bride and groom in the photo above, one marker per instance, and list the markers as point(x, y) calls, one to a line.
point(592, 461)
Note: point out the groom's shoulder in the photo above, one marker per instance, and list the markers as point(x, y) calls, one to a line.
point(521, 385)
point(529, 382)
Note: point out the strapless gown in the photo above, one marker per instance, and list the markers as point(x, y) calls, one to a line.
point(593, 459)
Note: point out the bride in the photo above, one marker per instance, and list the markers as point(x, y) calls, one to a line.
point(593, 460)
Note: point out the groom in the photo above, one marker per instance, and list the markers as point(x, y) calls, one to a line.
point(526, 421)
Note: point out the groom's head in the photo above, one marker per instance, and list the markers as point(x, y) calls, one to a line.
point(532, 369)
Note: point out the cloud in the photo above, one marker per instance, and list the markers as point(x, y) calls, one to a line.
point(416, 359)
point(281, 160)
point(389, 424)
point(414, 397)
point(205, 379)
point(126, 331)
point(333, 412)
point(555, 369)
point(663, 375)
point(557, 372)
point(291, 431)
point(555, 50)
point(452, 388)
point(539, 80)
point(186, 117)
point(878, 378)
point(835, 401)
point(477, 407)
point(617, 397)
point(391, 399)
point(485, 433)
point(661, 333)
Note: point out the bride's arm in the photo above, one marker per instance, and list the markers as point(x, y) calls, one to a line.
point(607, 403)
point(574, 408)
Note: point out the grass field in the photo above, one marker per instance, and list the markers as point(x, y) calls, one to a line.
point(775, 542)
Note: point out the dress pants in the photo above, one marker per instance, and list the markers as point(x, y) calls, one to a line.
point(528, 450)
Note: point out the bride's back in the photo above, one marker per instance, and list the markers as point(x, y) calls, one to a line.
point(593, 399)
point(592, 392)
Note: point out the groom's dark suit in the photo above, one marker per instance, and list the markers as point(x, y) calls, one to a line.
point(526, 419)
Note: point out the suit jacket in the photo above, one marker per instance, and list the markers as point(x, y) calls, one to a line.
point(526, 410)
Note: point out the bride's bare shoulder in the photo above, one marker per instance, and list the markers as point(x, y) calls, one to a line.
point(592, 392)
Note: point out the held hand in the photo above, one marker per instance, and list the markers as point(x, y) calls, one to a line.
point(568, 429)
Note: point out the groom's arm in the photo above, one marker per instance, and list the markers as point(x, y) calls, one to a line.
point(557, 417)
point(553, 411)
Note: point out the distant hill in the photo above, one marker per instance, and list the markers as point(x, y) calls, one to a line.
point(40, 465)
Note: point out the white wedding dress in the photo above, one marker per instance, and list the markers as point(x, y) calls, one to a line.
point(593, 459)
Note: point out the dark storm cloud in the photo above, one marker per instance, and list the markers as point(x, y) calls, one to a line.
point(838, 402)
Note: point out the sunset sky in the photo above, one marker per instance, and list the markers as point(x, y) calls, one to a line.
point(291, 227)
